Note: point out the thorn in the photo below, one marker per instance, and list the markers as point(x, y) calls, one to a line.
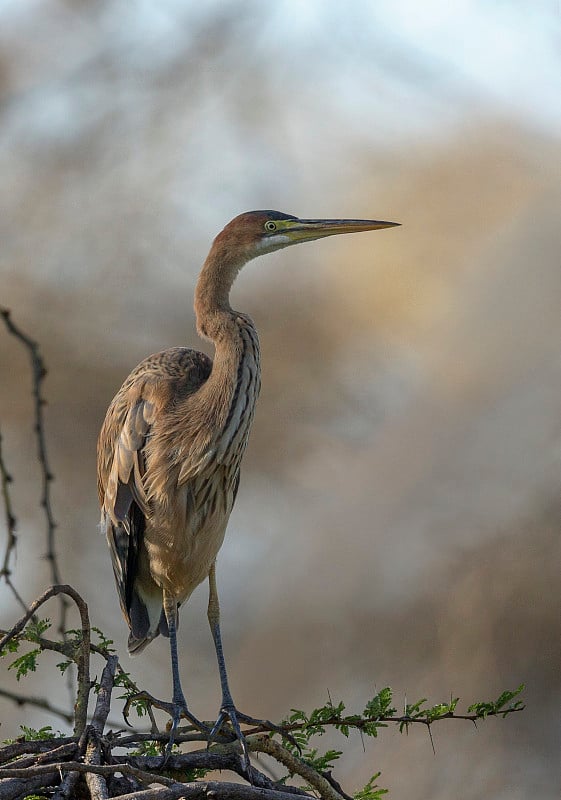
point(431, 739)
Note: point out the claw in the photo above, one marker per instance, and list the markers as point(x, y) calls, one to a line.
point(176, 710)
point(230, 712)
point(269, 726)
point(262, 724)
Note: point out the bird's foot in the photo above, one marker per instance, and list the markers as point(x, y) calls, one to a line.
point(229, 712)
point(177, 710)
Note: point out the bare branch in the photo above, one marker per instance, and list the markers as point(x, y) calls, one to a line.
point(11, 525)
point(208, 790)
point(65, 648)
point(96, 783)
point(37, 746)
point(79, 766)
point(39, 373)
point(82, 658)
point(38, 702)
point(264, 744)
point(16, 788)
point(47, 757)
point(103, 704)
point(11, 521)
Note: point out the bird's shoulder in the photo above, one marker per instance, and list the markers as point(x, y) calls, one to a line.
point(162, 378)
point(175, 365)
point(154, 386)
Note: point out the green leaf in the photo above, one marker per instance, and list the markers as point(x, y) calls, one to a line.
point(483, 709)
point(414, 710)
point(380, 705)
point(104, 643)
point(441, 710)
point(32, 734)
point(321, 763)
point(11, 647)
point(371, 791)
point(35, 630)
point(25, 663)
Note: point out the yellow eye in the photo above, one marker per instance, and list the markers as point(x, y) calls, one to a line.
point(270, 226)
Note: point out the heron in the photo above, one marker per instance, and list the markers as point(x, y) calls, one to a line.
point(170, 449)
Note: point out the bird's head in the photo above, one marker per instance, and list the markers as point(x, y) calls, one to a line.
point(250, 235)
point(258, 232)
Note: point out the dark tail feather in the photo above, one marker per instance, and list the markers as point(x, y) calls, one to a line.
point(140, 637)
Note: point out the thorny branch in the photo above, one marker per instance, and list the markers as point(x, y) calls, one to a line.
point(11, 525)
point(91, 754)
point(39, 372)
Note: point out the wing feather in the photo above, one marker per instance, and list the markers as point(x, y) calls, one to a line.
point(140, 404)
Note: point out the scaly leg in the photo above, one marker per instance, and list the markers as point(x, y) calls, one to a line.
point(178, 707)
point(179, 704)
point(227, 708)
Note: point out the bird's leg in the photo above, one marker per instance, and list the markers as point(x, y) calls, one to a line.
point(227, 707)
point(179, 704)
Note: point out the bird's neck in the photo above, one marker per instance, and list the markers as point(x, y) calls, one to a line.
point(235, 376)
point(233, 386)
point(212, 295)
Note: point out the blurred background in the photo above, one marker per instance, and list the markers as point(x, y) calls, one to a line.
point(398, 518)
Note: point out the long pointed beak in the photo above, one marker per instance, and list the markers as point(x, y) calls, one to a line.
point(306, 230)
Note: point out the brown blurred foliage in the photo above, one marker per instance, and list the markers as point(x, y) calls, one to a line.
point(398, 521)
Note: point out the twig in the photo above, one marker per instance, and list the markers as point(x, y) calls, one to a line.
point(38, 702)
point(361, 723)
point(79, 766)
point(68, 651)
point(96, 783)
point(226, 759)
point(65, 648)
point(15, 788)
point(82, 658)
point(103, 703)
point(11, 521)
point(207, 790)
point(35, 746)
point(67, 786)
point(264, 744)
point(38, 374)
point(11, 525)
point(47, 757)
